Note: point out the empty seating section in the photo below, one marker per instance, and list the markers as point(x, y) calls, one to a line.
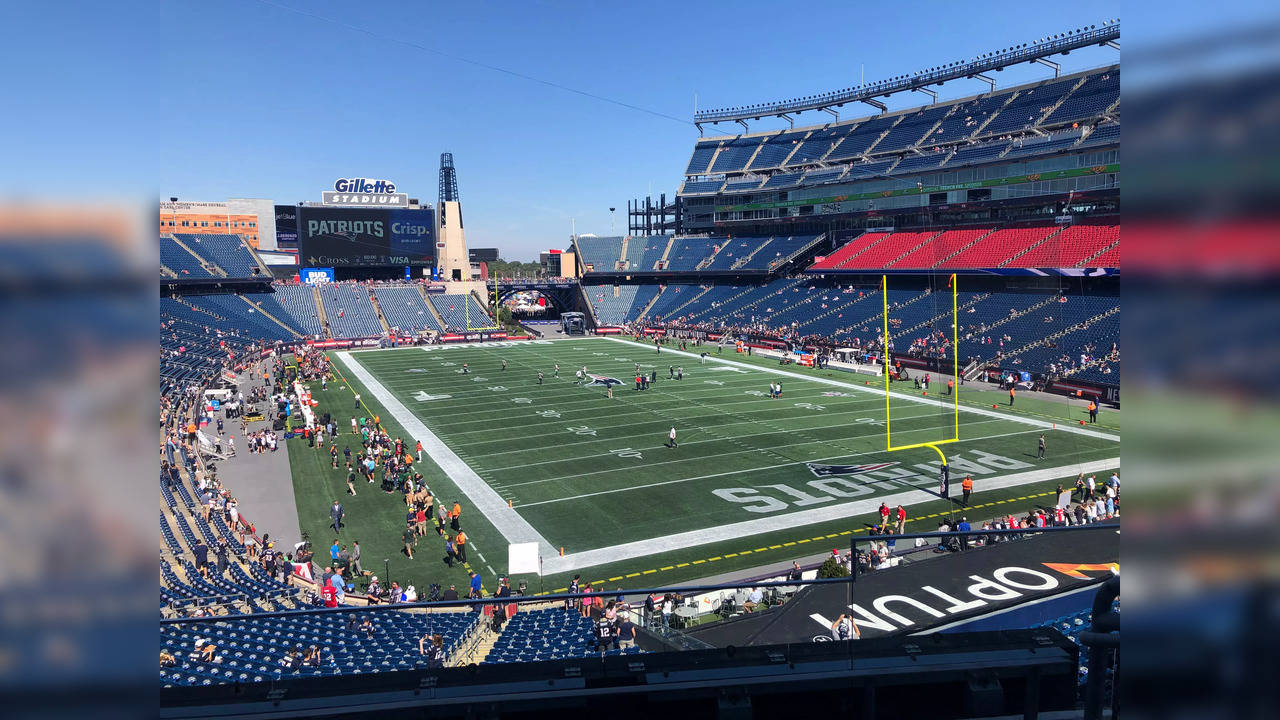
point(966, 120)
point(818, 177)
point(779, 249)
point(743, 185)
point(653, 249)
point(998, 247)
point(687, 252)
point(818, 144)
point(919, 163)
point(912, 128)
point(775, 150)
point(859, 141)
point(293, 304)
point(889, 249)
point(405, 308)
point(241, 315)
point(251, 649)
point(1057, 142)
point(1103, 134)
point(177, 259)
point(937, 249)
point(732, 250)
point(551, 634)
point(1092, 341)
point(1090, 100)
point(782, 180)
point(1069, 248)
point(866, 170)
point(601, 253)
point(848, 250)
point(608, 309)
point(692, 187)
point(672, 297)
point(972, 154)
point(1108, 259)
point(349, 311)
point(1027, 108)
point(701, 159)
point(735, 153)
point(226, 251)
point(461, 312)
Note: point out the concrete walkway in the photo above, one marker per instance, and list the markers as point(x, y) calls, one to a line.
point(262, 483)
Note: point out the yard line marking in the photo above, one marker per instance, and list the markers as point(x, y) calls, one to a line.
point(922, 400)
point(783, 521)
point(713, 475)
point(506, 520)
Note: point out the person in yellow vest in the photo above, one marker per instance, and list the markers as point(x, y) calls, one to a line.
point(1093, 411)
point(455, 516)
point(967, 487)
point(951, 386)
point(1011, 393)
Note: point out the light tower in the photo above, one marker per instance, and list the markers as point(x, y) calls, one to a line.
point(451, 239)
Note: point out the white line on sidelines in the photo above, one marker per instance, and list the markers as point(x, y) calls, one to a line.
point(507, 521)
point(756, 526)
point(923, 400)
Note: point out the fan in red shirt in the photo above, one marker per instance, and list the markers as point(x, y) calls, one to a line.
point(902, 519)
point(330, 596)
point(884, 515)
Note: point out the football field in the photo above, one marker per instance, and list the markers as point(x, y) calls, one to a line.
point(753, 481)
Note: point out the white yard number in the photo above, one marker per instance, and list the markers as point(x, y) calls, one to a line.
point(713, 382)
point(448, 364)
point(479, 379)
point(583, 430)
point(757, 393)
point(623, 359)
point(600, 354)
point(497, 388)
point(522, 401)
point(810, 406)
point(868, 421)
point(627, 453)
point(548, 413)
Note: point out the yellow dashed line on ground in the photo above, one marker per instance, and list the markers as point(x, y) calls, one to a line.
point(648, 572)
point(730, 555)
point(698, 562)
point(774, 547)
point(631, 575)
point(760, 549)
point(614, 579)
point(681, 565)
point(664, 569)
point(713, 559)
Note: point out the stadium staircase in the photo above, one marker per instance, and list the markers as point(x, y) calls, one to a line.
point(844, 306)
point(648, 306)
point(786, 288)
point(966, 246)
point(927, 240)
point(795, 147)
point(662, 261)
point(324, 319)
point(740, 262)
point(621, 262)
point(166, 272)
point(706, 262)
point(941, 318)
point(782, 262)
point(992, 116)
point(1061, 99)
point(208, 266)
point(882, 135)
point(377, 308)
point(1102, 253)
point(431, 306)
point(675, 311)
point(1031, 247)
point(265, 314)
point(1077, 327)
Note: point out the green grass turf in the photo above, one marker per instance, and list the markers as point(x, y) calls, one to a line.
point(577, 493)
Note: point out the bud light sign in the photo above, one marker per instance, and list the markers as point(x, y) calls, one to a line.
point(364, 191)
point(316, 276)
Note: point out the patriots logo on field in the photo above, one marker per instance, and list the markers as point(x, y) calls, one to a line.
point(820, 470)
point(602, 381)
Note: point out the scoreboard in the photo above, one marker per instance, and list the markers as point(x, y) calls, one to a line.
point(359, 237)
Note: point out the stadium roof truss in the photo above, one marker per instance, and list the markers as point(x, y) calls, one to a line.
point(1105, 34)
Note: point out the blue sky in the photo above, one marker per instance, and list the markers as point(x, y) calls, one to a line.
point(243, 98)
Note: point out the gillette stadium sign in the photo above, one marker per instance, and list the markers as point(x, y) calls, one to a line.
point(364, 192)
